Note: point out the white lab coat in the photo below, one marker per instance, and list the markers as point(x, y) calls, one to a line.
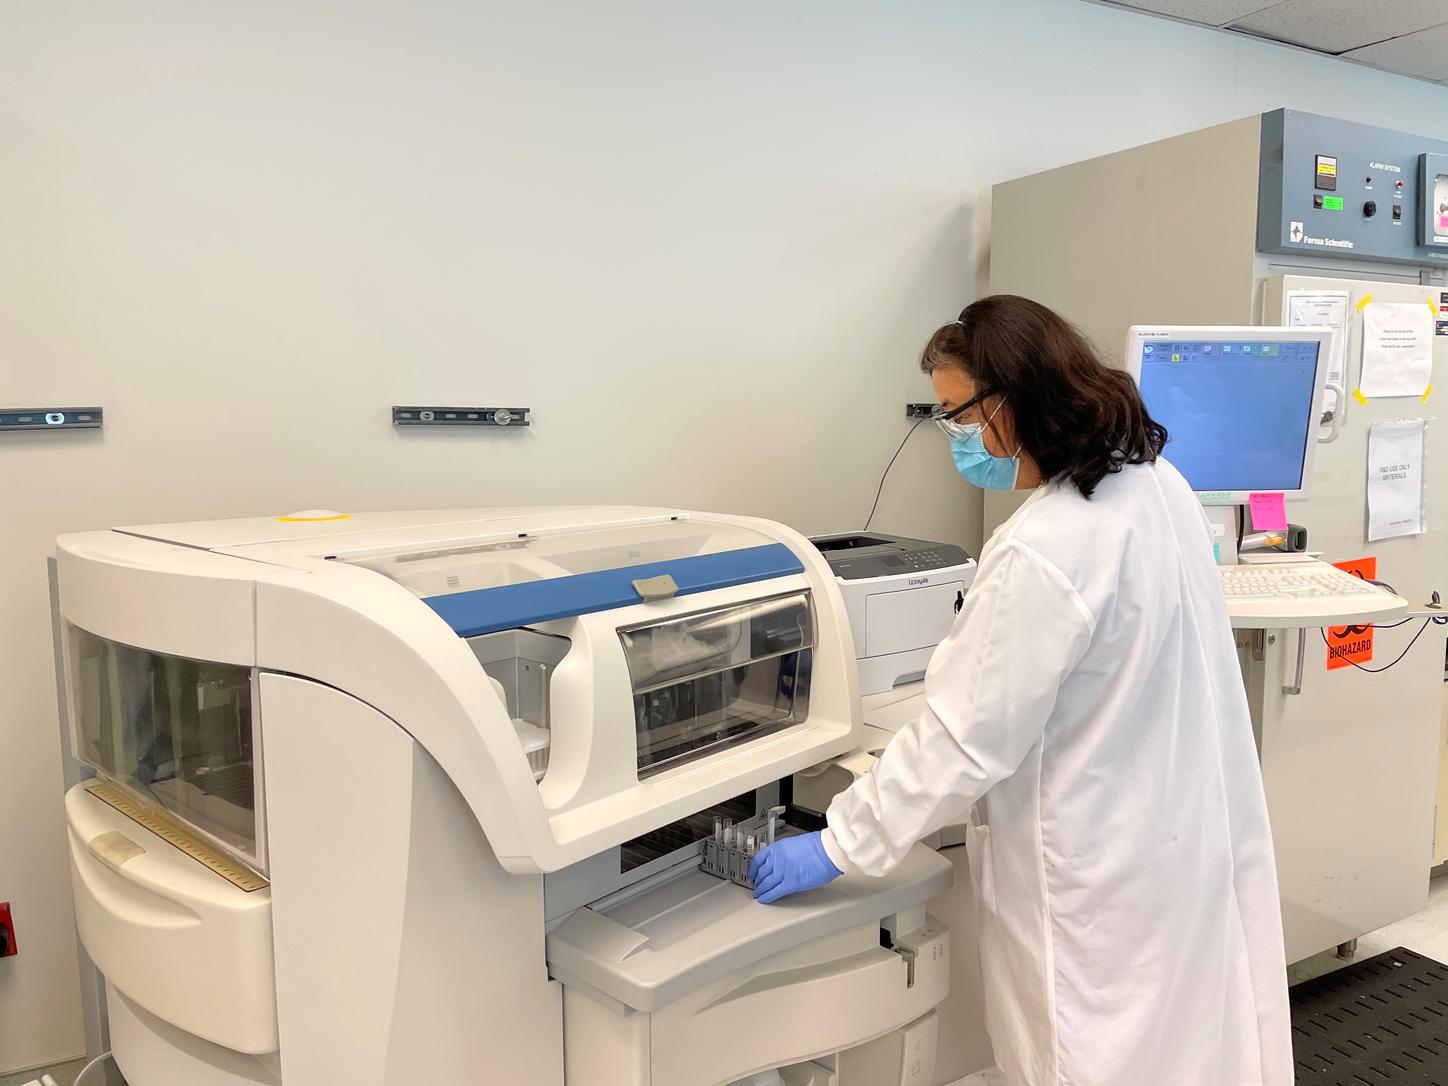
point(1089, 707)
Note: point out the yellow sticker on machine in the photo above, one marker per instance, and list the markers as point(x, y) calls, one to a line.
point(1326, 166)
point(199, 850)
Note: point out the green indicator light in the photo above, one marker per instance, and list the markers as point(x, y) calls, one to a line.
point(1332, 203)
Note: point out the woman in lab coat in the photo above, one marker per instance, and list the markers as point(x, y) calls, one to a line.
point(1086, 715)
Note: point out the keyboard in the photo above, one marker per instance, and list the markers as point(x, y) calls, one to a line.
point(1291, 581)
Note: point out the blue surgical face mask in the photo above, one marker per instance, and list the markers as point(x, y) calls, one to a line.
point(974, 461)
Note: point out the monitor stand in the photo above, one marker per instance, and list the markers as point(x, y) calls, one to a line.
point(1223, 521)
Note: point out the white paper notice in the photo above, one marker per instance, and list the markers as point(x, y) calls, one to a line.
point(1397, 349)
point(1324, 309)
point(1395, 478)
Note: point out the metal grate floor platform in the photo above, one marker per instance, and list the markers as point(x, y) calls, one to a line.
point(1382, 1022)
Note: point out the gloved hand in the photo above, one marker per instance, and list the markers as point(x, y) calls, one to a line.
point(790, 865)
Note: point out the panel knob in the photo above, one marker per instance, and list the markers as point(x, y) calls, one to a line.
point(1370, 208)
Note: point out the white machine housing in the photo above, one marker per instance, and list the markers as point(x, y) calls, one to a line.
point(902, 596)
point(378, 796)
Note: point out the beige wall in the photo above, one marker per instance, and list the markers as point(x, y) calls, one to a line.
point(703, 241)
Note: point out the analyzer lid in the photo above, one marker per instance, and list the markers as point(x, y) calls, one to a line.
point(503, 584)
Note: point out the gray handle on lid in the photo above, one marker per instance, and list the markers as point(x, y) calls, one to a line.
point(651, 589)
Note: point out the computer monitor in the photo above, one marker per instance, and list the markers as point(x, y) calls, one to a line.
point(1240, 405)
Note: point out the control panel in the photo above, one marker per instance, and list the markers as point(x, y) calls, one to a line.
point(1335, 188)
point(859, 556)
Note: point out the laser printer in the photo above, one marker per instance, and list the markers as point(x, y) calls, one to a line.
point(901, 595)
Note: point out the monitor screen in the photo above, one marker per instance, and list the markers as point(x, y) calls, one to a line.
point(1238, 412)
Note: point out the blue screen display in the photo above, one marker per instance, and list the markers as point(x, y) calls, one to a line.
point(1238, 412)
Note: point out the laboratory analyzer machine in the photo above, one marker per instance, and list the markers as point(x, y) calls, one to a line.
point(417, 797)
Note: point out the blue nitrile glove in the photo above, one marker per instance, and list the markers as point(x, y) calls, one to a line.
point(790, 865)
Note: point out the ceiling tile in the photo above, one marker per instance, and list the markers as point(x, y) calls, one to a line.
point(1212, 12)
point(1424, 54)
point(1335, 26)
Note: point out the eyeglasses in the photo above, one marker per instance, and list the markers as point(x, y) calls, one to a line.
point(946, 419)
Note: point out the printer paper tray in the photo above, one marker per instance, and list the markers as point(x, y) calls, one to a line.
point(651, 950)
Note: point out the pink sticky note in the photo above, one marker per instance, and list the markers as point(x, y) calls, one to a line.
point(1269, 513)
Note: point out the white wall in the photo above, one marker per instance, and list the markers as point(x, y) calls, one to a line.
point(704, 241)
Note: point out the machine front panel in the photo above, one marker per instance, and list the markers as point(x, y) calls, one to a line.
point(1335, 188)
point(177, 734)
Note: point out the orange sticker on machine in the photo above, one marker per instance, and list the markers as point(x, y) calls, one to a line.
point(1349, 645)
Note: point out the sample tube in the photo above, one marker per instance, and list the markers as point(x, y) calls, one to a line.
point(729, 833)
point(718, 830)
point(775, 814)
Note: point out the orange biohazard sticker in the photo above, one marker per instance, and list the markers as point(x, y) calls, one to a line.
point(1348, 645)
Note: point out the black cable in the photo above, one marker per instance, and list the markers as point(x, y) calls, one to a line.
point(881, 488)
point(1431, 621)
point(1393, 625)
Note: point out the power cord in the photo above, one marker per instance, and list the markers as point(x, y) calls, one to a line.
point(1430, 621)
point(881, 488)
point(90, 1067)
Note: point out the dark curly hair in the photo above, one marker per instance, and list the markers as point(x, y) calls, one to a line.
point(1075, 416)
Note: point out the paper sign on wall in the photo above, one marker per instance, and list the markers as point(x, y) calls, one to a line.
point(1329, 309)
point(1348, 645)
point(1396, 452)
point(1397, 349)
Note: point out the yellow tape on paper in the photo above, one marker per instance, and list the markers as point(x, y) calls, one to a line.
point(1357, 394)
point(1427, 392)
point(1364, 303)
point(1433, 306)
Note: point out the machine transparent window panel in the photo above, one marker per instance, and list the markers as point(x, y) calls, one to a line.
point(684, 833)
point(178, 733)
point(522, 663)
point(707, 681)
point(464, 567)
